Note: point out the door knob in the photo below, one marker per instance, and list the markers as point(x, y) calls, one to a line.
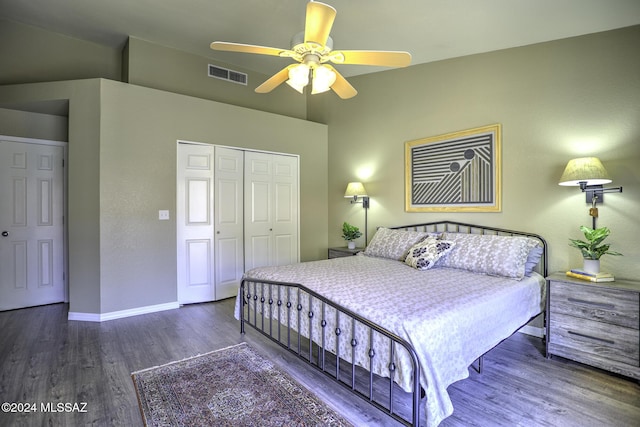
point(5, 233)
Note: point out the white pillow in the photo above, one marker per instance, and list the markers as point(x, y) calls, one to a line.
point(488, 254)
point(393, 244)
point(424, 255)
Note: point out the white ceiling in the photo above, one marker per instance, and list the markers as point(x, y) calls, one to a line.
point(430, 30)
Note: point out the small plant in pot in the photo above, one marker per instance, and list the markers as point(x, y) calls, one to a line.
point(350, 233)
point(592, 249)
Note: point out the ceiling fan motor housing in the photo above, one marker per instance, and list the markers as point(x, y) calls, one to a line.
point(310, 53)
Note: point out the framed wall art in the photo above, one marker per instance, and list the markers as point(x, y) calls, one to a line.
point(455, 172)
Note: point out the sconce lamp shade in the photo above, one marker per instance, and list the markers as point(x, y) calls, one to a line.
point(355, 190)
point(585, 171)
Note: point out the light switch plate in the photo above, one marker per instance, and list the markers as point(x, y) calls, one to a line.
point(163, 215)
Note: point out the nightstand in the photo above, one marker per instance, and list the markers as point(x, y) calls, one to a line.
point(343, 251)
point(596, 323)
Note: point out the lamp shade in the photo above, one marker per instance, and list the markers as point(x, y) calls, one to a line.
point(355, 189)
point(587, 170)
point(299, 77)
point(323, 79)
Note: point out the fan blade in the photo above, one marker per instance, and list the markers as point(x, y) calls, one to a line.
point(318, 22)
point(341, 86)
point(275, 80)
point(371, 57)
point(246, 48)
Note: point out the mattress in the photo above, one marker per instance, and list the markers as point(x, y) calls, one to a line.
point(449, 316)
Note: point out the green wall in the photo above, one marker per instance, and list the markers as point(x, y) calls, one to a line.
point(34, 125)
point(172, 70)
point(556, 101)
point(30, 54)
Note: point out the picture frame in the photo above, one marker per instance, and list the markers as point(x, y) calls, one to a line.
point(455, 172)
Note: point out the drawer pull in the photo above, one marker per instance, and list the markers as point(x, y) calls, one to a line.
point(595, 304)
point(591, 338)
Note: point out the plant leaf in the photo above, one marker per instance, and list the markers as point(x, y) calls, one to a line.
point(591, 249)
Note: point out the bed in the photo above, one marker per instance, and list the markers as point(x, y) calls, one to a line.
point(405, 319)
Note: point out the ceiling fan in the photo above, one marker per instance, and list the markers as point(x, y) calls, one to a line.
point(313, 49)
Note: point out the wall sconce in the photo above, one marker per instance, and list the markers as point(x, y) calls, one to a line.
point(355, 191)
point(590, 175)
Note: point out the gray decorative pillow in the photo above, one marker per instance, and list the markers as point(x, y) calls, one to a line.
point(424, 255)
point(533, 257)
point(393, 244)
point(488, 254)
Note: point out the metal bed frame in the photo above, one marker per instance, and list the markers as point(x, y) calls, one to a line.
point(275, 298)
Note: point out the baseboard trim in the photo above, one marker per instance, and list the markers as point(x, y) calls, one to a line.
point(102, 317)
point(535, 331)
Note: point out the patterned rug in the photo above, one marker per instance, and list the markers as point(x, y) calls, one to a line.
point(234, 386)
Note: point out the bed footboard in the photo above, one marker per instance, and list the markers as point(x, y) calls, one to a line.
point(331, 340)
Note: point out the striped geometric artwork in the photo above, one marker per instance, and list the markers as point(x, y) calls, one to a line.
point(454, 172)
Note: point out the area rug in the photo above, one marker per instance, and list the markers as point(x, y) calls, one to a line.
point(234, 386)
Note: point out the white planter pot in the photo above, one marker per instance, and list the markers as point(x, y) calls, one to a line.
point(351, 245)
point(592, 265)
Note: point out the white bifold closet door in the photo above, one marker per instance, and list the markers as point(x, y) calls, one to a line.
point(209, 219)
point(236, 210)
point(271, 209)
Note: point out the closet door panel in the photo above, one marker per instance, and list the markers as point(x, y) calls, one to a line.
point(285, 200)
point(228, 262)
point(195, 246)
point(271, 206)
point(283, 250)
point(260, 203)
point(283, 203)
point(229, 221)
point(258, 253)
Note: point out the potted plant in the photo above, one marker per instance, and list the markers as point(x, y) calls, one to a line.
point(350, 233)
point(593, 248)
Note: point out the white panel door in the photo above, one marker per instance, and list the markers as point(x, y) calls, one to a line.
point(31, 224)
point(194, 223)
point(285, 205)
point(271, 209)
point(228, 220)
point(258, 210)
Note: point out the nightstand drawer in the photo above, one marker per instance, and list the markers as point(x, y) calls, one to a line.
point(612, 306)
point(593, 338)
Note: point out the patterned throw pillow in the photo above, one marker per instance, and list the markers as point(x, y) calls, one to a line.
point(424, 255)
point(393, 244)
point(488, 254)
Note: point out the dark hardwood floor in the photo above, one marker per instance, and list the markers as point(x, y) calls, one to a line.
point(46, 359)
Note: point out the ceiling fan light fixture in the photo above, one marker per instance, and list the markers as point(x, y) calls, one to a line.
point(323, 79)
point(299, 77)
point(313, 49)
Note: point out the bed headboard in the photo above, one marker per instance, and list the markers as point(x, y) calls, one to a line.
point(459, 227)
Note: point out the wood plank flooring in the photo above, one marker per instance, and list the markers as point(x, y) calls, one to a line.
point(44, 358)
